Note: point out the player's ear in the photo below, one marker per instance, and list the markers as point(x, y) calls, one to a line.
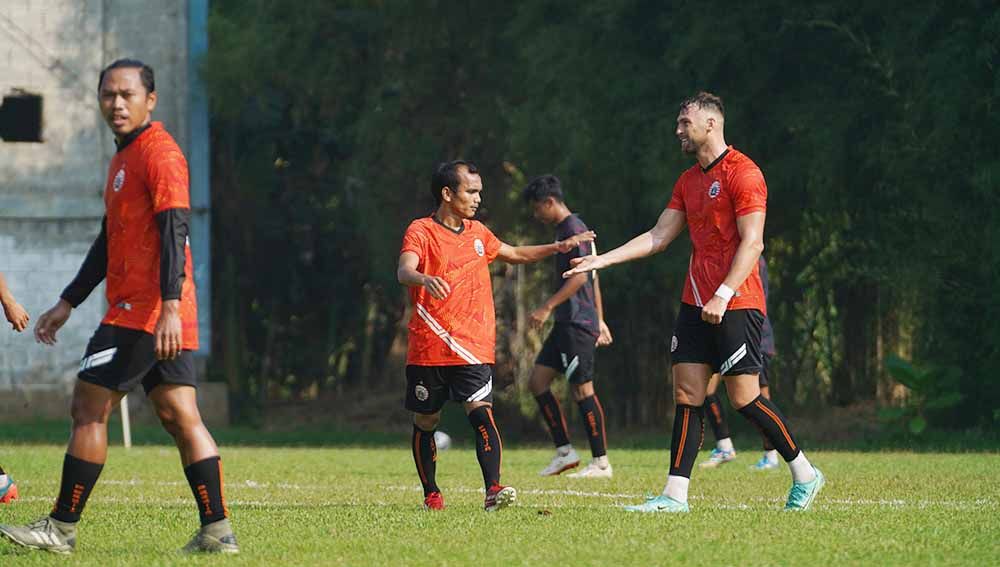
point(151, 101)
point(446, 194)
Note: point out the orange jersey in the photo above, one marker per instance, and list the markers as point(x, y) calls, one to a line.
point(712, 200)
point(461, 328)
point(146, 177)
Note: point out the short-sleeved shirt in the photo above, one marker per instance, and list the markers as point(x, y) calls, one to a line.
point(580, 309)
point(712, 198)
point(148, 176)
point(766, 331)
point(461, 328)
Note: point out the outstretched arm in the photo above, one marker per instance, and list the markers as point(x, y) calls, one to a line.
point(92, 272)
point(751, 229)
point(656, 239)
point(604, 338)
point(529, 254)
point(16, 315)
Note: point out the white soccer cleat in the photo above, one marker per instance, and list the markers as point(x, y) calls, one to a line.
point(593, 470)
point(718, 458)
point(561, 463)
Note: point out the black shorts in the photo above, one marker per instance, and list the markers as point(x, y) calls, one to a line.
point(765, 364)
point(731, 348)
point(429, 387)
point(570, 350)
point(118, 359)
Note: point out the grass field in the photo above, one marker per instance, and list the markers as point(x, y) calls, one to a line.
point(362, 506)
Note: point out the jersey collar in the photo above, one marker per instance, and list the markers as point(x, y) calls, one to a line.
point(721, 157)
point(132, 136)
point(448, 228)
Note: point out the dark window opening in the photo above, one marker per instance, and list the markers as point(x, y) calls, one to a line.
point(21, 117)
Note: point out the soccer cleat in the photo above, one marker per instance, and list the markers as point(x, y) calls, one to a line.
point(47, 533)
point(8, 490)
point(764, 464)
point(434, 501)
point(718, 458)
point(216, 537)
point(661, 503)
point(498, 497)
point(561, 463)
point(592, 470)
point(803, 493)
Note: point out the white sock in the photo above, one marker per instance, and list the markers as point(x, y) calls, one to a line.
point(602, 461)
point(564, 450)
point(802, 471)
point(771, 456)
point(3, 480)
point(677, 488)
point(724, 444)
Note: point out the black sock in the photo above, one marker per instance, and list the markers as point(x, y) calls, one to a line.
point(205, 478)
point(685, 442)
point(554, 417)
point(488, 444)
point(425, 456)
point(716, 418)
point(78, 479)
point(593, 424)
point(768, 446)
point(768, 419)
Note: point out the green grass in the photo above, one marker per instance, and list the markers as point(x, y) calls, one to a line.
point(361, 506)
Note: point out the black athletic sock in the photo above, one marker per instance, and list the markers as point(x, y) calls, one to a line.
point(425, 457)
point(488, 444)
point(768, 419)
point(554, 417)
point(78, 479)
point(205, 478)
point(686, 439)
point(716, 418)
point(593, 424)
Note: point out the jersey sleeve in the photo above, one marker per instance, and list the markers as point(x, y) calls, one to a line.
point(167, 177)
point(491, 243)
point(584, 248)
point(749, 192)
point(677, 198)
point(415, 240)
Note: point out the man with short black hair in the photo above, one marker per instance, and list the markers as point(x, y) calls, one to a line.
point(444, 260)
point(722, 201)
point(569, 349)
point(151, 327)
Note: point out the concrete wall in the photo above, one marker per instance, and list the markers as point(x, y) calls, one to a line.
point(50, 192)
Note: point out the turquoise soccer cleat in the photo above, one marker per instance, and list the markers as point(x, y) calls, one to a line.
point(803, 493)
point(659, 503)
point(764, 464)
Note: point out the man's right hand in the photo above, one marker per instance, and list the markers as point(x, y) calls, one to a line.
point(51, 321)
point(437, 287)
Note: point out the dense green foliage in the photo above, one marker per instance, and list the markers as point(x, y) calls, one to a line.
point(361, 506)
point(874, 125)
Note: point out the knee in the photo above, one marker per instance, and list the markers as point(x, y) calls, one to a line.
point(85, 414)
point(582, 391)
point(176, 421)
point(689, 394)
point(426, 422)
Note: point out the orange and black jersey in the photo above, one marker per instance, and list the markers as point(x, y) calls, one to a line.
point(143, 248)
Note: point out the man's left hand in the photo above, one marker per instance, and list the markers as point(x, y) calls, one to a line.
point(713, 311)
point(168, 331)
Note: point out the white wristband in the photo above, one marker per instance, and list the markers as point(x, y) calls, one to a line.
point(725, 292)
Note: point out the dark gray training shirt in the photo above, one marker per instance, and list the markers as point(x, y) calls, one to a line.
point(580, 309)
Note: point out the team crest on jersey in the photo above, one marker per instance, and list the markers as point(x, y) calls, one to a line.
point(478, 245)
point(421, 392)
point(673, 343)
point(714, 189)
point(119, 180)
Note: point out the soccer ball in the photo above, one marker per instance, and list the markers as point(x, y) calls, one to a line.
point(442, 440)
